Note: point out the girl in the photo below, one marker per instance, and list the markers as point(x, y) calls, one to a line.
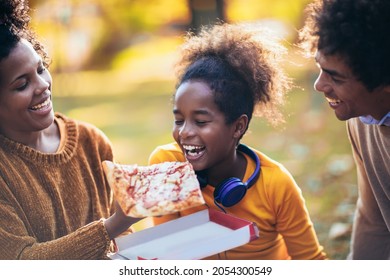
point(225, 75)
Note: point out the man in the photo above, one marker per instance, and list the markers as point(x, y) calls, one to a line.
point(351, 43)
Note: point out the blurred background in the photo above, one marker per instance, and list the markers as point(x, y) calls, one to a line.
point(112, 65)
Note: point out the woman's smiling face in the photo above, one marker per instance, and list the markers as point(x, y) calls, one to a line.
point(25, 92)
point(200, 128)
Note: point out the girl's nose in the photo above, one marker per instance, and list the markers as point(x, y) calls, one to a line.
point(185, 131)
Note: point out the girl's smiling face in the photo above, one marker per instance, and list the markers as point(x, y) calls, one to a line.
point(200, 128)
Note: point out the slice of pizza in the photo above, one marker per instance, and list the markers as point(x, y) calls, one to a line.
point(154, 190)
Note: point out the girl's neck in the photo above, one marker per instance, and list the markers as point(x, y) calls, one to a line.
point(236, 169)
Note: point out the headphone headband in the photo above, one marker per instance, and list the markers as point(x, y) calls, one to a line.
point(248, 151)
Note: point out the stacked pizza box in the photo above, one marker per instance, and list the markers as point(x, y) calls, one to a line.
point(195, 236)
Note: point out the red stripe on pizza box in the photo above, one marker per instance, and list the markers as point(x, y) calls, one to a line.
point(234, 224)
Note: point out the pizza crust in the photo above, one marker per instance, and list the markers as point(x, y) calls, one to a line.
point(154, 190)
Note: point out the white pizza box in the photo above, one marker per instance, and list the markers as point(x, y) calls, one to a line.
point(195, 236)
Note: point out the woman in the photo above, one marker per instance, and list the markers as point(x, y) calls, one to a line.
point(54, 200)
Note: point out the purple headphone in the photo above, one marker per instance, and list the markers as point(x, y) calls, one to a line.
point(232, 190)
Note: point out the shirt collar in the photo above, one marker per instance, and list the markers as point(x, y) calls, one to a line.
point(370, 120)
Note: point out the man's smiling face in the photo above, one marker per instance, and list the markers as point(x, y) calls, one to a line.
point(346, 95)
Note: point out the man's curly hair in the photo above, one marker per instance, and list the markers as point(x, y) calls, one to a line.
point(14, 26)
point(355, 30)
point(241, 63)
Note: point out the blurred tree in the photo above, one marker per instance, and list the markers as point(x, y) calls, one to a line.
point(130, 20)
point(289, 11)
point(87, 34)
point(206, 12)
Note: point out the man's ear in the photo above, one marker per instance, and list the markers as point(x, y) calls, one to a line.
point(241, 125)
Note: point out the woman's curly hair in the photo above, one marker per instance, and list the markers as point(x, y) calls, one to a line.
point(14, 26)
point(241, 63)
point(357, 31)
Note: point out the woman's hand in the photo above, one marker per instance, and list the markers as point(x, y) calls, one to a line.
point(118, 222)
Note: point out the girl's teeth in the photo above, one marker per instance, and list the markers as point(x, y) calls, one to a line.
point(192, 150)
point(192, 153)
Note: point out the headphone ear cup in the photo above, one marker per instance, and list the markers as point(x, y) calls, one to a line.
point(230, 192)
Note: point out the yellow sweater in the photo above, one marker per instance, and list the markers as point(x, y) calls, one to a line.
point(275, 203)
point(52, 205)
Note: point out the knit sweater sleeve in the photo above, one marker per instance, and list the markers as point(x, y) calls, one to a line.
point(52, 206)
point(88, 242)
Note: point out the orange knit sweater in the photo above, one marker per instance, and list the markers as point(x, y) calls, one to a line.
point(52, 205)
